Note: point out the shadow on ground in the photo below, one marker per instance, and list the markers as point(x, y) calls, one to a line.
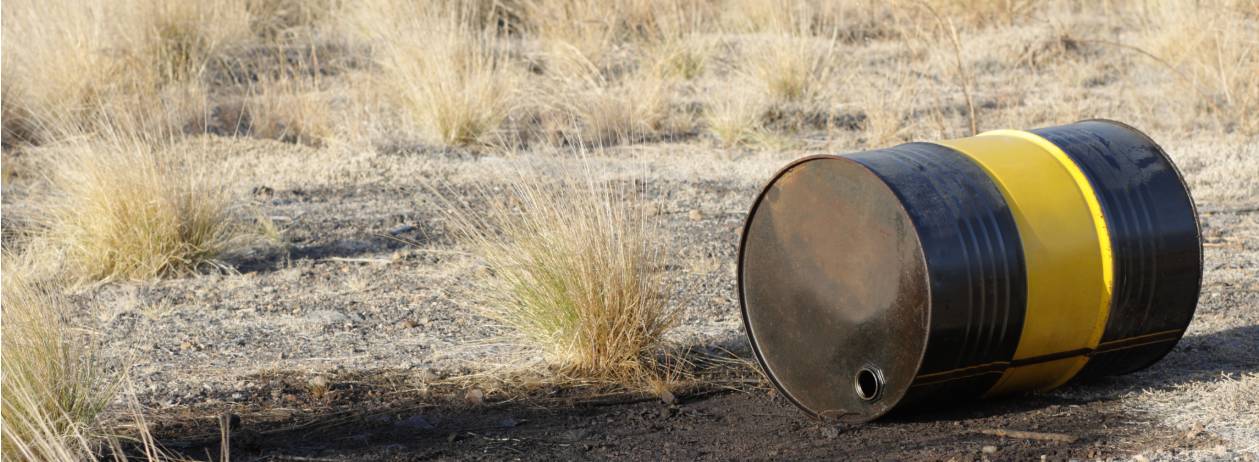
point(379, 415)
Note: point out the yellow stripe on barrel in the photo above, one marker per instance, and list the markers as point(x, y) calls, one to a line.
point(1067, 250)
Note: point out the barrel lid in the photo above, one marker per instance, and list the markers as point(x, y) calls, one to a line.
point(834, 289)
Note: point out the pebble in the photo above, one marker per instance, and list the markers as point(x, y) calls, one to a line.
point(989, 449)
point(667, 397)
point(475, 397)
point(830, 432)
point(425, 375)
point(401, 229)
point(327, 317)
point(695, 215)
point(1194, 431)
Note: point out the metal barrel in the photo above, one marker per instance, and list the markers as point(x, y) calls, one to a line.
point(1008, 262)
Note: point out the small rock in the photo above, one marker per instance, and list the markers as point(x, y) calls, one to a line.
point(425, 375)
point(830, 432)
point(417, 422)
point(989, 449)
point(574, 435)
point(1194, 431)
point(327, 317)
point(668, 398)
point(475, 397)
point(509, 422)
point(1140, 458)
point(185, 346)
point(401, 229)
point(695, 215)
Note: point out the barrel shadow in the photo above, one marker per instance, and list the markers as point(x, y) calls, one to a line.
point(704, 425)
point(1195, 359)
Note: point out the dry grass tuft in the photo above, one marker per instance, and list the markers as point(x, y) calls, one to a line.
point(735, 120)
point(128, 207)
point(455, 81)
point(589, 108)
point(289, 109)
point(580, 30)
point(888, 106)
point(779, 17)
point(177, 41)
point(53, 387)
point(574, 273)
point(792, 69)
point(287, 20)
point(680, 59)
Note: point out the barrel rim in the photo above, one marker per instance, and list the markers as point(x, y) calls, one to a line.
point(743, 308)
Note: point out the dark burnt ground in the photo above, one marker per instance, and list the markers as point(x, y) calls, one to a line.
point(366, 418)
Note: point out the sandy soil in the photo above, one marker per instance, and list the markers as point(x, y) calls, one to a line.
point(343, 297)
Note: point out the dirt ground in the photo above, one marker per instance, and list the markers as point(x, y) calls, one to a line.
point(368, 293)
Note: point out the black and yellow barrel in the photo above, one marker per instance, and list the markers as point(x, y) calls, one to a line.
point(1008, 262)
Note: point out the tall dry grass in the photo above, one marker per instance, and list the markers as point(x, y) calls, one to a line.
point(53, 387)
point(574, 272)
point(55, 390)
point(471, 73)
point(1211, 51)
point(67, 61)
point(459, 85)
